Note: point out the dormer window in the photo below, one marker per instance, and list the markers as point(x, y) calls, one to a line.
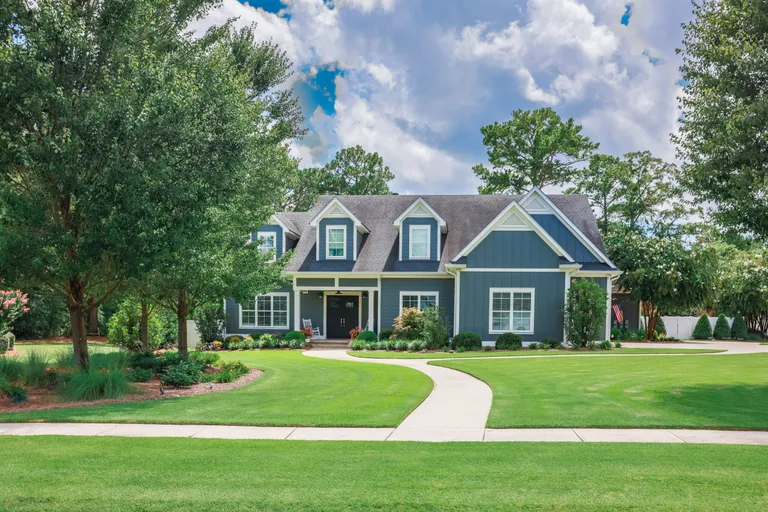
point(267, 243)
point(419, 237)
point(336, 245)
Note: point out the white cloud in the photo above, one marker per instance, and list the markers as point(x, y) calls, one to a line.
point(366, 5)
point(382, 74)
point(531, 91)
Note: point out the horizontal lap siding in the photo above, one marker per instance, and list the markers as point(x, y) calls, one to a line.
point(548, 309)
point(513, 249)
point(232, 322)
point(390, 296)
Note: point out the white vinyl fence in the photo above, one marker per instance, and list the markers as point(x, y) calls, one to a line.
point(193, 335)
point(681, 327)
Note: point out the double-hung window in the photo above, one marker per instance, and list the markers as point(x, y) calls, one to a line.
point(512, 310)
point(267, 242)
point(268, 311)
point(418, 300)
point(419, 237)
point(336, 242)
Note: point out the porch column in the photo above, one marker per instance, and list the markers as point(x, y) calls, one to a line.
point(297, 310)
point(609, 286)
point(370, 309)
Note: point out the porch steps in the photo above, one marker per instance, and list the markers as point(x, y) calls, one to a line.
point(329, 344)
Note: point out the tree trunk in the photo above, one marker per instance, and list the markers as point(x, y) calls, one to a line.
point(76, 305)
point(93, 322)
point(181, 316)
point(144, 326)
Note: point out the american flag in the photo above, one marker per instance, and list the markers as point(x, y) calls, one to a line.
point(618, 312)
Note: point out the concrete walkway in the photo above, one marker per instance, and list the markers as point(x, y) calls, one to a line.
point(568, 435)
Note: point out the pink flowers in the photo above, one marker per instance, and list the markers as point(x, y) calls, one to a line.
point(13, 304)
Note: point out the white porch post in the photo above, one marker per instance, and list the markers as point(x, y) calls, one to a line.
point(297, 310)
point(370, 309)
point(565, 301)
point(609, 286)
point(456, 301)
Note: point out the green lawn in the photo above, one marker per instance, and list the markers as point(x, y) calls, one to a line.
point(727, 391)
point(51, 349)
point(295, 390)
point(78, 474)
point(383, 354)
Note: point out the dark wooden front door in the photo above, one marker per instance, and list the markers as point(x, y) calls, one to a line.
point(342, 315)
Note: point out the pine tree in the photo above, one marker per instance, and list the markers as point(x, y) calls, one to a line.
point(703, 329)
point(722, 329)
point(739, 329)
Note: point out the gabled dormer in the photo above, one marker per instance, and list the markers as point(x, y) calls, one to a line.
point(561, 228)
point(275, 238)
point(338, 233)
point(421, 229)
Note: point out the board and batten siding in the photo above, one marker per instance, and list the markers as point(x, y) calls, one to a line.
point(232, 312)
point(312, 308)
point(390, 296)
point(549, 298)
point(274, 228)
point(434, 236)
point(350, 246)
point(512, 249)
point(565, 238)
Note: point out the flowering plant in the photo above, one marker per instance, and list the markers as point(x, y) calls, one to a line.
point(354, 333)
point(307, 331)
point(16, 392)
point(13, 304)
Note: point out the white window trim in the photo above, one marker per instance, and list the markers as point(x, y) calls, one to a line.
point(256, 312)
point(329, 227)
point(273, 236)
point(410, 241)
point(402, 293)
point(511, 291)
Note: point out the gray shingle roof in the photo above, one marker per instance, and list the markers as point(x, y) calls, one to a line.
point(465, 215)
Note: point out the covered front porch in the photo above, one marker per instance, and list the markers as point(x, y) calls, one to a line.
point(336, 306)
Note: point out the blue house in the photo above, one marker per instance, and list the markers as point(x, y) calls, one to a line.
point(495, 263)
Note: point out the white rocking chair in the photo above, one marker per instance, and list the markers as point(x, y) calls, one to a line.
point(307, 322)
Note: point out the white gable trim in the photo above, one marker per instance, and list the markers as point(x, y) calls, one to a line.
point(286, 230)
point(421, 203)
point(335, 203)
point(530, 224)
point(537, 196)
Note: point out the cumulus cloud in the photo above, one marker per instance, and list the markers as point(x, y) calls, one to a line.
point(366, 5)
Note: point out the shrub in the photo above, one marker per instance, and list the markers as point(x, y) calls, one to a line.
point(434, 327)
point(661, 328)
point(229, 339)
point(147, 360)
point(13, 390)
point(294, 335)
point(230, 372)
point(739, 329)
point(297, 344)
point(96, 384)
point(386, 334)
point(606, 345)
point(354, 333)
point(703, 329)
point(509, 341)
point(467, 341)
point(357, 345)
point(534, 346)
point(367, 336)
point(268, 341)
point(751, 336)
point(409, 324)
point(238, 345)
point(206, 359)
point(124, 329)
point(401, 345)
point(722, 329)
point(418, 345)
point(616, 333)
point(217, 345)
point(209, 319)
point(7, 341)
point(584, 312)
point(617, 344)
point(139, 375)
point(551, 343)
point(181, 374)
point(389, 343)
point(56, 375)
point(592, 345)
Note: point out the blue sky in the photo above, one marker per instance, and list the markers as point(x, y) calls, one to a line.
point(415, 80)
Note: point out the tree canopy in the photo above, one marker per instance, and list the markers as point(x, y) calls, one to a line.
point(534, 148)
point(724, 107)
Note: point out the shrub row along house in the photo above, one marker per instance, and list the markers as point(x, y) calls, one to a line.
point(495, 263)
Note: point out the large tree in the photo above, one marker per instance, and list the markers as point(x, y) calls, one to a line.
point(602, 181)
point(724, 106)
point(118, 134)
point(743, 285)
point(534, 148)
point(664, 273)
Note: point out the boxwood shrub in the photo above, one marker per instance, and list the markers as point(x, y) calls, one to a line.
point(181, 374)
point(509, 341)
point(367, 336)
point(294, 335)
point(387, 333)
point(467, 341)
point(139, 374)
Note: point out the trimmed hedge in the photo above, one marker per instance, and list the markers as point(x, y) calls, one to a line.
point(295, 336)
point(467, 341)
point(739, 329)
point(703, 329)
point(722, 329)
point(509, 341)
point(387, 333)
point(367, 336)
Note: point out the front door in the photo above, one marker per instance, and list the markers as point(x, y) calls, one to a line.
point(342, 315)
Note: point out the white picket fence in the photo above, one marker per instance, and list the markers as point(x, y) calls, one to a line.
point(681, 327)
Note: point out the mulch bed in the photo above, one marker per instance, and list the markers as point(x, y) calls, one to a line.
point(41, 399)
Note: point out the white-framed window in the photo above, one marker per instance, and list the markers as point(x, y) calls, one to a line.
point(418, 300)
point(269, 311)
point(267, 243)
point(511, 310)
point(419, 242)
point(336, 242)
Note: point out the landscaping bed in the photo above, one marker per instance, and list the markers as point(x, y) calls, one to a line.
point(524, 352)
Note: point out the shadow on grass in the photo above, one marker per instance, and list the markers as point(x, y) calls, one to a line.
point(732, 405)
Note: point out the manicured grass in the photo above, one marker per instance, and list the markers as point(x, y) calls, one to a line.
point(51, 349)
point(77, 474)
point(383, 354)
point(726, 391)
point(295, 390)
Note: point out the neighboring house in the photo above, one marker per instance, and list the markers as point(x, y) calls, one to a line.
point(496, 263)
